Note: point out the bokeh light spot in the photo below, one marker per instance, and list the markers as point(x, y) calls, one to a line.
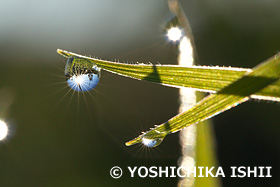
point(3, 130)
point(174, 33)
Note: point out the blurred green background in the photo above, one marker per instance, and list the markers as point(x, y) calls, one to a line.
point(61, 138)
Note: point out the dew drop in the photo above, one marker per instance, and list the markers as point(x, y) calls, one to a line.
point(153, 138)
point(151, 142)
point(81, 75)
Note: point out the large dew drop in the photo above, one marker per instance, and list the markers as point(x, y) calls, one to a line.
point(81, 75)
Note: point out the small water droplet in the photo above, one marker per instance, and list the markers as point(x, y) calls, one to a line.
point(81, 75)
point(153, 138)
point(151, 142)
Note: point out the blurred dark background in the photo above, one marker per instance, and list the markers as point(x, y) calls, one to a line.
point(60, 138)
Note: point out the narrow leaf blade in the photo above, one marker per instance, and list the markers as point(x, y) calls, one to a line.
point(201, 78)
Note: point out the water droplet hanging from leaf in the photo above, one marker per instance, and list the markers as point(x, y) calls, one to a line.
point(81, 75)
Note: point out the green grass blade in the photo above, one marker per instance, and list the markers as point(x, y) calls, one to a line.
point(228, 97)
point(232, 86)
point(206, 153)
point(209, 79)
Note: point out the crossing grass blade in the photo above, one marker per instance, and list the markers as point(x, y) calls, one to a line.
point(201, 78)
point(228, 97)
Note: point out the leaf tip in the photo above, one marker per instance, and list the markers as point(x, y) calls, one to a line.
point(63, 53)
point(134, 141)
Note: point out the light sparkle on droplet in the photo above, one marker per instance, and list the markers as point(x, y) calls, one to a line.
point(79, 80)
point(3, 130)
